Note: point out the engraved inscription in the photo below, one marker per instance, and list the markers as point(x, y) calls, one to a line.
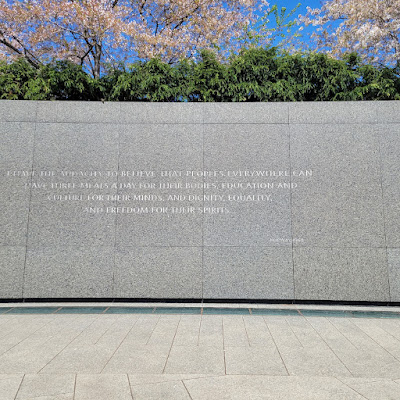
point(172, 192)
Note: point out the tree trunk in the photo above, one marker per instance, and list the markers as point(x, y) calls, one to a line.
point(97, 60)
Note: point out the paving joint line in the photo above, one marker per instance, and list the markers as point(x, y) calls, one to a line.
point(19, 387)
point(354, 390)
point(223, 343)
point(360, 331)
point(154, 328)
point(294, 333)
point(113, 354)
point(382, 347)
point(130, 386)
point(245, 329)
point(330, 348)
point(76, 376)
point(276, 346)
point(172, 343)
point(25, 338)
point(69, 343)
point(346, 337)
point(199, 332)
point(187, 390)
point(389, 333)
point(341, 333)
point(107, 329)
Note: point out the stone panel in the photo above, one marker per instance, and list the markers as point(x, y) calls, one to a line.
point(154, 149)
point(16, 144)
point(246, 113)
point(352, 274)
point(338, 112)
point(12, 261)
point(389, 136)
point(47, 111)
point(158, 272)
point(74, 185)
point(18, 110)
point(248, 273)
point(14, 207)
point(394, 273)
point(88, 230)
point(76, 216)
point(255, 215)
point(152, 229)
point(387, 111)
point(16, 158)
point(67, 272)
point(161, 147)
point(88, 112)
point(162, 113)
point(341, 204)
point(76, 146)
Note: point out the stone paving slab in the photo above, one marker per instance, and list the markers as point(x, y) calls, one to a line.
point(36, 386)
point(196, 357)
point(192, 387)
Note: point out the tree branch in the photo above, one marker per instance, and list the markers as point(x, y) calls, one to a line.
point(26, 53)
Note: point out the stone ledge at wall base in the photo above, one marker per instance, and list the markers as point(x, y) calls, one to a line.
point(257, 201)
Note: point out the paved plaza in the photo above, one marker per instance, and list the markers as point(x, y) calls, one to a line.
point(198, 352)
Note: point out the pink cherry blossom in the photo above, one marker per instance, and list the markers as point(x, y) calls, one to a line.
point(369, 27)
point(90, 32)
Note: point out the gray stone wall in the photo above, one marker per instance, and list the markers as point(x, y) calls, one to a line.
point(291, 201)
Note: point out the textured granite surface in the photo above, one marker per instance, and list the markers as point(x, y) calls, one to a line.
point(145, 272)
point(158, 200)
point(389, 136)
point(12, 260)
point(237, 147)
point(351, 274)
point(341, 206)
point(394, 273)
point(65, 272)
point(248, 272)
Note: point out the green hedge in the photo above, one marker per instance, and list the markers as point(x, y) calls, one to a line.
point(253, 75)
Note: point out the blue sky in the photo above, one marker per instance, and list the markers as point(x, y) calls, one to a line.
point(290, 4)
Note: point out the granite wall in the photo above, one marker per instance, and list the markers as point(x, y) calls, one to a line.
point(292, 201)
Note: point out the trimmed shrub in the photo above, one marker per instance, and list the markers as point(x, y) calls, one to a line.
point(256, 74)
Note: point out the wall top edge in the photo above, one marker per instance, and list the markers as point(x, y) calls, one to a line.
point(203, 103)
point(364, 112)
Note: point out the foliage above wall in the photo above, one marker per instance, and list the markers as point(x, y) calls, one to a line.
point(253, 75)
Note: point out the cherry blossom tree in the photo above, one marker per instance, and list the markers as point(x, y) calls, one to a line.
point(95, 32)
point(369, 27)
